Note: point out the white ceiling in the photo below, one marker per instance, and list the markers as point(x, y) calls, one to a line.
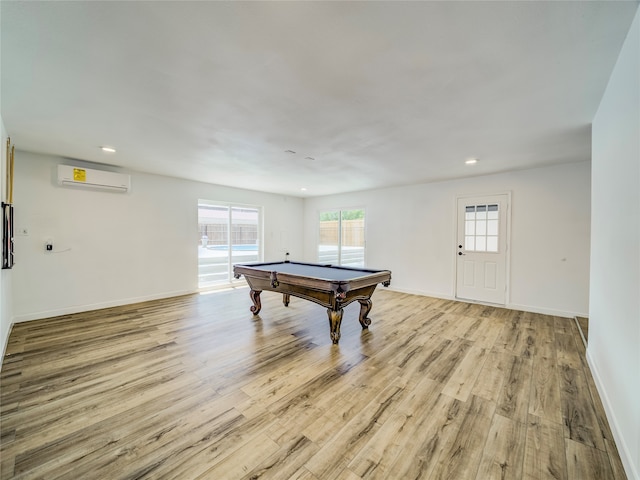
point(377, 93)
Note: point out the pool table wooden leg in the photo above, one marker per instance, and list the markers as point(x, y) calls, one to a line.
point(255, 298)
point(285, 299)
point(335, 319)
point(365, 308)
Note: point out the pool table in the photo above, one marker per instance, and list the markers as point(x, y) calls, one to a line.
point(330, 286)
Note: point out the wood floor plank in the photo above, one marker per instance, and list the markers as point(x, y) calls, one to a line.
point(426, 440)
point(563, 325)
point(513, 402)
point(544, 400)
point(510, 336)
point(443, 368)
point(503, 454)
point(465, 375)
point(333, 395)
point(617, 468)
point(486, 333)
point(517, 339)
point(286, 461)
point(567, 351)
point(303, 474)
point(462, 452)
point(544, 451)
point(578, 412)
point(376, 457)
point(102, 438)
point(211, 441)
point(347, 474)
point(345, 444)
point(462, 326)
point(587, 462)
point(494, 371)
point(196, 386)
point(242, 460)
point(40, 425)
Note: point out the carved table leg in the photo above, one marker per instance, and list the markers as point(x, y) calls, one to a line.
point(335, 319)
point(255, 298)
point(365, 308)
point(285, 299)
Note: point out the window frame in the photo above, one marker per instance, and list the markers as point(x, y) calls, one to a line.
point(260, 236)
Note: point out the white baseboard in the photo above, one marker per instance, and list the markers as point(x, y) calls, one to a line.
point(510, 306)
point(623, 448)
point(97, 306)
point(584, 340)
point(418, 292)
point(545, 311)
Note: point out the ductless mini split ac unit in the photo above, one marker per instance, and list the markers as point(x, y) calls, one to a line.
point(89, 178)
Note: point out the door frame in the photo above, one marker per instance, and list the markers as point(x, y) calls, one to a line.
point(230, 206)
point(454, 243)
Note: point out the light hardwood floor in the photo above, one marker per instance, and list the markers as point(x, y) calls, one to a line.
point(196, 387)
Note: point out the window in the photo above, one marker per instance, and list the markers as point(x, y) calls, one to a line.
point(228, 234)
point(481, 228)
point(341, 240)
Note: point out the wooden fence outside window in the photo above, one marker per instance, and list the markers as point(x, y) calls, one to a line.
point(352, 232)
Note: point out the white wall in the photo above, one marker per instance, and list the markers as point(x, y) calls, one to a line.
point(411, 231)
point(614, 325)
point(115, 248)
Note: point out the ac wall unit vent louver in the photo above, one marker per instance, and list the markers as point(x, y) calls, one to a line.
point(89, 178)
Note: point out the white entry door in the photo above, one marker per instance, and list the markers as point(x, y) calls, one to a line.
point(481, 249)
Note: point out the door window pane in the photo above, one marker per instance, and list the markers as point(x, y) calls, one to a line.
point(470, 243)
point(492, 227)
point(469, 227)
point(228, 235)
point(352, 238)
point(244, 235)
point(341, 237)
point(213, 254)
point(470, 213)
point(481, 228)
point(329, 245)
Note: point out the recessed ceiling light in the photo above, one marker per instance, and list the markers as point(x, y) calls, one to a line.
point(471, 161)
point(108, 149)
point(303, 189)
